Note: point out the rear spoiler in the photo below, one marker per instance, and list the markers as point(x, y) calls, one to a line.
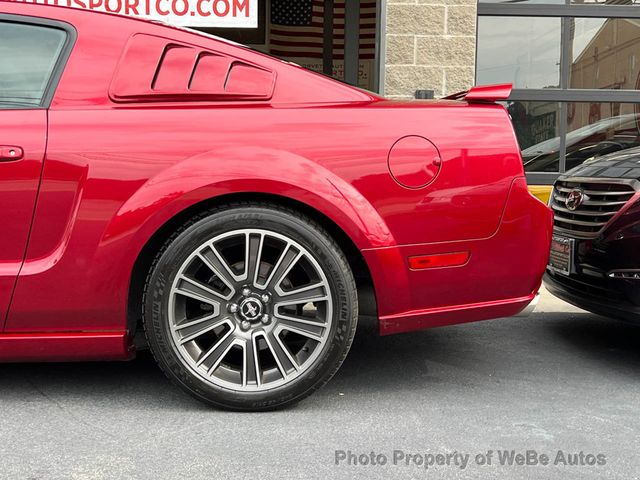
point(483, 93)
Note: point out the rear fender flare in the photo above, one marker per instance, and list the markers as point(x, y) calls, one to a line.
point(244, 171)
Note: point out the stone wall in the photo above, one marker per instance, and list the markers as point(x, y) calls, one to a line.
point(430, 44)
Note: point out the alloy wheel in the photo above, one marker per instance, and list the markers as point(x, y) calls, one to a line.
point(250, 310)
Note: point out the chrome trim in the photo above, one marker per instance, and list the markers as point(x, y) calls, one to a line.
point(579, 222)
point(628, 274)
point(595, 203)
point(633, 183)
point(574, 233)
point(590, 192)
point(587, 213)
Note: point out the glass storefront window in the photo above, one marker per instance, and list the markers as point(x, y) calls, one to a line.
point(575, 68)
point(596, 129)
point(537, 129)
point(605, 53)
point(522, 50)
point(593, 130)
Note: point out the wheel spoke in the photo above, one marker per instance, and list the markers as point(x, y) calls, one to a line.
point(195, 321)
point(280, 352)
point(275, 267)
point(218, 265)
point(194, 333)
point(199, 291)
point(251, 364)
point(211, 358)
point(311, 293)
point(253, 254)
point(307, 329)
point(286, 262)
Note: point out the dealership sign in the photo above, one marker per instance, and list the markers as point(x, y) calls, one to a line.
point(190, 13)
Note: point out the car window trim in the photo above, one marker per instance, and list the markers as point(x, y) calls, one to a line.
point(61, 62)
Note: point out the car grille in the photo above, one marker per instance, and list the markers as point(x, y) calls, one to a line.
point(602, 200)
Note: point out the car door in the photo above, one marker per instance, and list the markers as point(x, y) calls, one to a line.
point(30, 55)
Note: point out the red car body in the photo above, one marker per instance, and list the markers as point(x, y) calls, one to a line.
point(125, 148)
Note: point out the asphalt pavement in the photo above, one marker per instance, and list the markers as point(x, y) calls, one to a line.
point(561, 388)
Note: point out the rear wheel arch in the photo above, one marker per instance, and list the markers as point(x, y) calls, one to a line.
point(144, 261)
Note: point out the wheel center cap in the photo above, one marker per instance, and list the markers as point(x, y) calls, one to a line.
point(250, 309)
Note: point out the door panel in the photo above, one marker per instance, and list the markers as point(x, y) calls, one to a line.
point(19, 180)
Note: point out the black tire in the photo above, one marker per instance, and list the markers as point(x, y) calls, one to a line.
point(286, 222)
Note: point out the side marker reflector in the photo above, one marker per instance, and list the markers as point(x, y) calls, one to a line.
point(439, 260)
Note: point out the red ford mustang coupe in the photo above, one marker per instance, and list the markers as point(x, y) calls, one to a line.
point(239, 211)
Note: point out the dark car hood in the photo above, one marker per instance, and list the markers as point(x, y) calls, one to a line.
point(622, 164)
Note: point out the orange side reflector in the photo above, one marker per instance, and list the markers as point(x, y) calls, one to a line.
point(422, 262)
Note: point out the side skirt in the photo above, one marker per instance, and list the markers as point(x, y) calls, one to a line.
point(65, 347)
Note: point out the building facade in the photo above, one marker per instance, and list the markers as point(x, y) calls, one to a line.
point(429, 44)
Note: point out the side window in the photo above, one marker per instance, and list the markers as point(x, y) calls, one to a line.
point(28, 56)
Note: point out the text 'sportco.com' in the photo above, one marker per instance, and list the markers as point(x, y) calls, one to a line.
point(194, 13)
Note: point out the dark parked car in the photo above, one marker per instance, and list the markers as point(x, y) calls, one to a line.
point(603, 137)
point(595, 252)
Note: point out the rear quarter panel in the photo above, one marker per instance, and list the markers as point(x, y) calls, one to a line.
point(113, 176)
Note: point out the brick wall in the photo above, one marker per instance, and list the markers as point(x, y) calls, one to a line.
point(430, 44)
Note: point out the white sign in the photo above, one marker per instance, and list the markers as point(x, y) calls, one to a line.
point(186, 13)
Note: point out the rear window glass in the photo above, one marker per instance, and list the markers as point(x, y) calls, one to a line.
point(28, 55)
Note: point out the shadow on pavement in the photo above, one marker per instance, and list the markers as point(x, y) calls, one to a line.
point(443, 359)
point(602, 338)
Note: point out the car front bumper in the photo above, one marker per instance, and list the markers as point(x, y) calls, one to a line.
point(582, 295)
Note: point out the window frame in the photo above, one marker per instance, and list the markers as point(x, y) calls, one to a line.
point(61, 62)
point(564, 94)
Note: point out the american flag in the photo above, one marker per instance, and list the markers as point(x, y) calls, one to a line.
point(297, 29)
